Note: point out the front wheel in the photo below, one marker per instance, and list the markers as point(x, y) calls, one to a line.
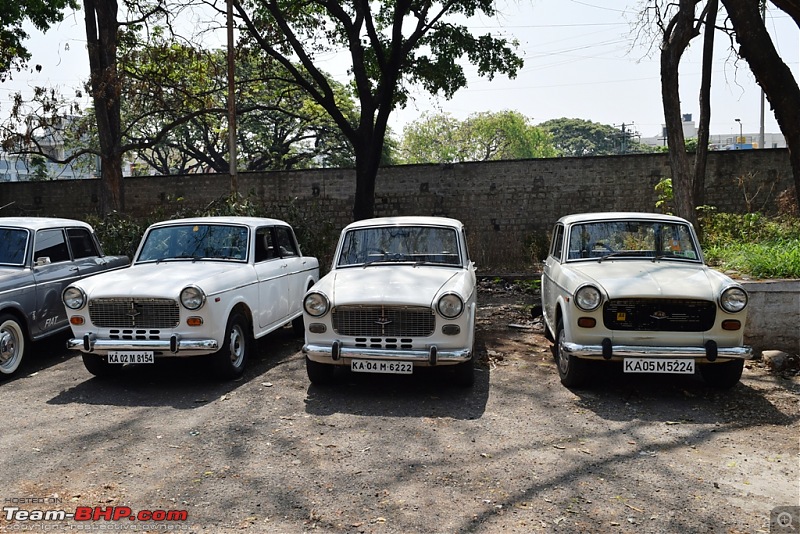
point(12, 344)
point(99, 366)
point(320, 374)
point(230, 359)
point(572, 371)
point(722, 375)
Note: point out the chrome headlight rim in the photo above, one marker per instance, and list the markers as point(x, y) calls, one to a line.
point(588, 297)
point(733, 299)
point(192, 298)
point(73, 297)
point(316, 303)
point(447, 303)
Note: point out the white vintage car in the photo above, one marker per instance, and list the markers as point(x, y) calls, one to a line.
point(401, 294)
point(201, 286)
point(633, 287)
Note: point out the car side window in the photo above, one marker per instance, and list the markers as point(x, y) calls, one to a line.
point(285, 241)
point(81, 243)
point(265, 245)
point(51, 244)
point(558, 242)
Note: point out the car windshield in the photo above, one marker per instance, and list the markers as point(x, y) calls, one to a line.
point(632, 239)
point(13, 242)
point(194, 242)
point(411, 244)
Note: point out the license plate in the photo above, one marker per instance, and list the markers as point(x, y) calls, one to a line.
point(118, 356)
point(377, 366)
point(654, 365)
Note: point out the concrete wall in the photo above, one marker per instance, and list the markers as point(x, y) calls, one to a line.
point(773, 320)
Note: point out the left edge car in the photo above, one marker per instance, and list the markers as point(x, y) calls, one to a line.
point(39, 257)
point(198, 286)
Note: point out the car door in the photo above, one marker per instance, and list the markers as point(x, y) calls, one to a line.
point(271, 270)
point(550, 273)
point(85, 253)
point(53, 270)
point(296, 268)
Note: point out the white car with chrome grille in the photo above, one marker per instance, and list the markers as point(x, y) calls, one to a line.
point(400, 295)
point(634, 288)
point(200, 286)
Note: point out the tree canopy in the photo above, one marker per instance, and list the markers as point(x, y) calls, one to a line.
point(481, 137)
point(579, 137)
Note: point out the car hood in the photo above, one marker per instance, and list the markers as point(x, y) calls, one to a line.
point(627, 279)
point(402, 285)
point(164, 279)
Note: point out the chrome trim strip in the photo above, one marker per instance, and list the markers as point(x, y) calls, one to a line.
point(442, 356)
point(205, 345)
point(637, 351)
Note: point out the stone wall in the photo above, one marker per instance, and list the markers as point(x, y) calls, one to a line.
point(508, 206)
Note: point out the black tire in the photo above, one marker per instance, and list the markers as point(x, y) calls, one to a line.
point(99, 366)
point(572, 371)
point(320, 374)
point(464, 374)
point(231, 359)
point(722, 375)
point(298, 326)
point(12, 344)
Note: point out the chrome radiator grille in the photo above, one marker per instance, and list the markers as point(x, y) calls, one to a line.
point(660, 315)
point(382, 321)
point(130, 313)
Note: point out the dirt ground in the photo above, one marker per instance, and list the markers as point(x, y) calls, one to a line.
point(518, 452)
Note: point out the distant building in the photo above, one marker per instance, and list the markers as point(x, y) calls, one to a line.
point(720, 141)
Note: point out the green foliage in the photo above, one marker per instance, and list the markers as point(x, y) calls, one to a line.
point(578, 137)
point(665, 195)
point(752, 244)
point(481, 137)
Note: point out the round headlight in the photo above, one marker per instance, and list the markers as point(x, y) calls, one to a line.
point(733, 299)
point(192, 297)
point(316, 304)
point(450, 305)
point(74, 298)
point(588, 298)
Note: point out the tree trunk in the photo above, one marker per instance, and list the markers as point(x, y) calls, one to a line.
point(676, 39)
point(701, 156)
point(101, 39)
point(771, 73)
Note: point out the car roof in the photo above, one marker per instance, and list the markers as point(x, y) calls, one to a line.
point(39, 223)
point(618, 216)
point(406, 220)
point(253, 222)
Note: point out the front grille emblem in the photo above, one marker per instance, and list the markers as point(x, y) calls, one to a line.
point(383, 321)
point(659, 315)
point(133, 312)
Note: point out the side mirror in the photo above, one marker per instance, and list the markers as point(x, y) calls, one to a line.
point(43, 260)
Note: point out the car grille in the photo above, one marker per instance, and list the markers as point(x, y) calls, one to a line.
point(134, 313)
point(659, 315)
point(384, 321)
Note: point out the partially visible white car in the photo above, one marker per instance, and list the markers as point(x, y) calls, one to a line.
point(401, 294)
point(633, 287)
point(207, 285)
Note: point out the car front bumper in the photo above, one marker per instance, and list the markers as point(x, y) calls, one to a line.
point(607, 351)
point(173, 346)
point(336, 354)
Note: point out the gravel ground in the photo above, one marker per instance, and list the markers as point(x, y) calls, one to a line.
point(396, 454)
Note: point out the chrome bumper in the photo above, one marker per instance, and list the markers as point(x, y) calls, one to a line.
point(609, 351)
point(432, 356)
point(174, 345)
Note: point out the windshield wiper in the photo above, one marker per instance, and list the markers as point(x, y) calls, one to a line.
point(611, 255)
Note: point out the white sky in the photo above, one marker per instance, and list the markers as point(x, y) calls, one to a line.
point(580, 62)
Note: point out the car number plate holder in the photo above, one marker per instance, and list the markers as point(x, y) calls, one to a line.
point(136, 356)
point(674, 366)
point(381, 366)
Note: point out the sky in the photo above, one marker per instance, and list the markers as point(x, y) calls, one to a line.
point(581, 61)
